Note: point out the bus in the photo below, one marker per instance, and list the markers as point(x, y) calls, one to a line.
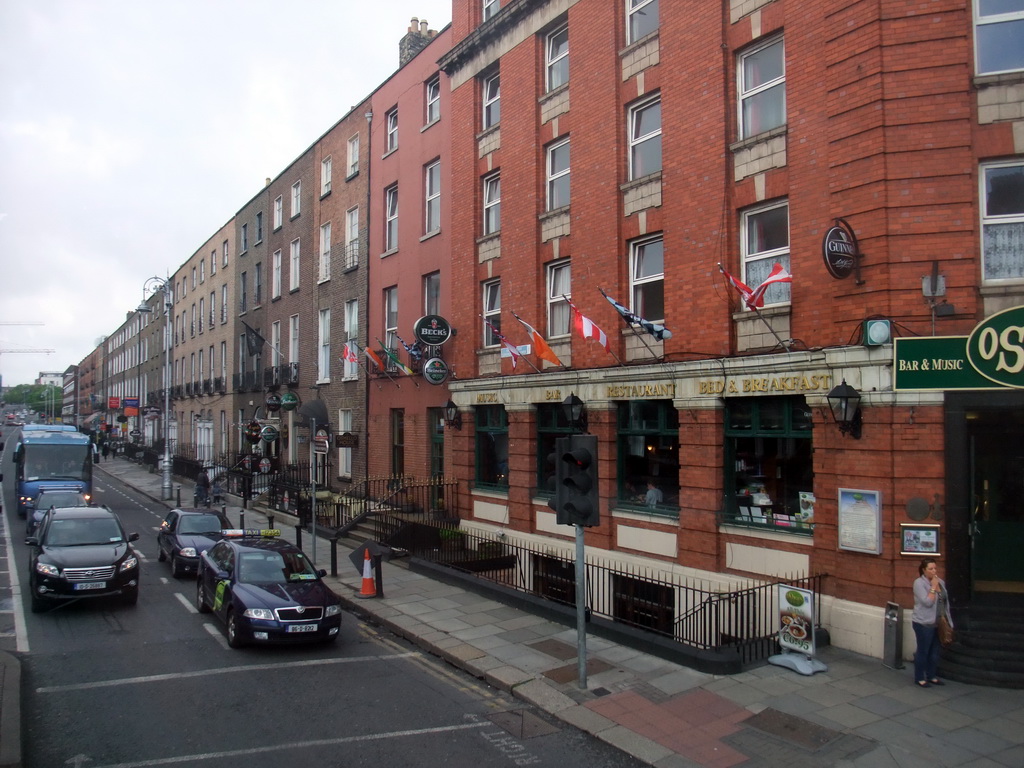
point(55, 459)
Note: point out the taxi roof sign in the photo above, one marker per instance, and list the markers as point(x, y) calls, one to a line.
point(261, 533)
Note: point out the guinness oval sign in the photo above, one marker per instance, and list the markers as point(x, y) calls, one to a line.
point(995, 347)
point(432, 330)
point(839, 250)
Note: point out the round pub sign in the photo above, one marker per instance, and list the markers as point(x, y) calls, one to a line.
point(432, 330)
point(289, 401)
point(273, 402)
point(269, 434)
point(996, 347)
point(435, 371)
point(839, 250)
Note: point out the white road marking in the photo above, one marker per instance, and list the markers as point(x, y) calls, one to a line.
point(186, 602)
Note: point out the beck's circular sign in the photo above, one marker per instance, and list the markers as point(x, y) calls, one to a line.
point(435, 371)
point(289, 401)
point(432, 330)
point(839, 250)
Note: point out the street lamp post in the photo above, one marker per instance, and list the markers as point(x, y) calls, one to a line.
point(153, 285)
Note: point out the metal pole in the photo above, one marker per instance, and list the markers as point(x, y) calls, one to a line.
point(581, 611)
point(166, 483)
point(312, 480)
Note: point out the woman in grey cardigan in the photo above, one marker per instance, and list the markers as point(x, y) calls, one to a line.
point(930, 598)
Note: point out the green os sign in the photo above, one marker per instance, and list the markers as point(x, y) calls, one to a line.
point(995, 348)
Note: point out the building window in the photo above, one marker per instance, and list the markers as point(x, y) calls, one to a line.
point(202, 271)
point(390, 321)
point(325, 251)
point(762, 88)
point(224, 248)
point(492, 311)
point(559, 292)
point(243, 296)
point(353, 156)
point(432, 294)
point(492, 204)
point(245, 238)
point(351, 368)
point(259, 227)
point(213, 309)
point(257, 285)
point(558, 175)
point(645, 138)
point(275, 343)
point(193, 278)
point(278, 212)
point(192, 322)
point(558, 57)
point(275, 278)
point(223, 304)
point(551, 425)
point(325, 176)
point(432, 197)
point(294, 266)
point(351, 238)
point(491, 447)
point(202, 313)
point(998, 36)
point(391, 218)
point(648, 455)
point(344, 454)
point(769, 472)
point(323, 360)
point(296, 199)
point(765, 233)
point(641, 18)
point(1002, 221)
point(213, 262)
point(432, 97)
point(490, 8)
point(647, 278)
point(391, 127)
point(491, 101)
point(293, 338)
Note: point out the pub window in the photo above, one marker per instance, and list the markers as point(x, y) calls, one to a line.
point(769, 475)
point(491, 447)
point(551, 425)
point(648, 456)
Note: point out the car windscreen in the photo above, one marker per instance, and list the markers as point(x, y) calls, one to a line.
point(82, 531)
point(201, 524)
point(275, 568)
point(60, 499)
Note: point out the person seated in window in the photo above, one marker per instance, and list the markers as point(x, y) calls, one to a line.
point(654, 496)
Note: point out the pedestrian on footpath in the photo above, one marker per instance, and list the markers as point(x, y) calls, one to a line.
point(930, 602)
point(105, 450)
point(202, 496)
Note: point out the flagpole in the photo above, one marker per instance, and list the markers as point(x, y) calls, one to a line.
point(636, 333)
point(505, 341)
point(388, 353)
point(360, 364)
point(384, 368)
point(746, 293)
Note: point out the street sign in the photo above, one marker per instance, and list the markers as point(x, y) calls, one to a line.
point(322, 442)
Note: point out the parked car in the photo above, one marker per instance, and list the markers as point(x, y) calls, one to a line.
point(185, 534)
point(52, 497)
point(81, 552)
point(266, 590)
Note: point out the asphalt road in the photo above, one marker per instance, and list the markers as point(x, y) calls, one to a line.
point(107, 685)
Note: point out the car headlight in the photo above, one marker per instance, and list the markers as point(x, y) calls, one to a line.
point(259, 613)
point(187, 551)
point(47, 570)
point(332, 610)
point(129, 563)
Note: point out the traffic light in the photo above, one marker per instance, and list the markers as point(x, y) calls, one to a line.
point(576, 499)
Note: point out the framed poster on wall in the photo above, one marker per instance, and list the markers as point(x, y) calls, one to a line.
point(919, 539)
point(860, 520)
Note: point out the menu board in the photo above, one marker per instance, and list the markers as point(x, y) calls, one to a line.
point(860, 520)
point(796, 619)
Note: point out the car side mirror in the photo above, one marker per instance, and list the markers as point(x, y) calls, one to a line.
point(32, 541)
point(322, 573)
point(133, 537)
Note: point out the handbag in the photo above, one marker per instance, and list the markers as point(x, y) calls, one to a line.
point(945, 631)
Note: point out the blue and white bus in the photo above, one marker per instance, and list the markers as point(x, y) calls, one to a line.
point(46, 458)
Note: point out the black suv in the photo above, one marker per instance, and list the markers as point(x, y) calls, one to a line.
point(81, 552)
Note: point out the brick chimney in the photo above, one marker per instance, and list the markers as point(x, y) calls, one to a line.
point(415, 40)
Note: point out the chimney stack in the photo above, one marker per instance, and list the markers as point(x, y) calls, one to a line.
point(415, 40)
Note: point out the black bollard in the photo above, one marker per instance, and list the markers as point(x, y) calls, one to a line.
point(379, 575)
point(270, 520)
point(298, 536)
point(241, 518)
point(334, 556)
point(179, 496)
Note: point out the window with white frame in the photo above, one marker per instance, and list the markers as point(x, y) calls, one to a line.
point(259, 227)
point(390, 319)
point(275, 343)
point(641, 18)
point(998, 36)
point(492, 203)
point(391, 218)
point(353, 156)
point(647, 277)
point(213, 309)
point(491, 100)
point(325, 251)
point(344, 454)
point(202, 314)
point(350, 369)
point(558, 57)
point(245, 238)
point(223, 303)
point(1002, 220)
point(294, 266)
point(202, 272)
point(193, 278)
point(352, 237)
point(559, 283)
point(391, 129)
point(257, 284)
point(489, 8)
point(432, 294)
point(213, 262)
point(492, 311)
point(762, 88)
point(296, 199)
point(225, 249)
point(432, 197)
point(558, 175)
point(645, 138)
point(293, 338)
point(323, 358)
point(765, 240)
point(223, 359)
point(275, 278)
point(325, 176)
point(432, 99)
point(243, 295)
point(278, 212)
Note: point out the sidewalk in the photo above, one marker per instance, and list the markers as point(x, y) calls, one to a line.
point(857, 713)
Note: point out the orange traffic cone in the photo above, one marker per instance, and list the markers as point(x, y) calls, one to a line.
point(369, 589)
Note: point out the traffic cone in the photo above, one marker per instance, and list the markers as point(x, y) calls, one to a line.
point(369, 589)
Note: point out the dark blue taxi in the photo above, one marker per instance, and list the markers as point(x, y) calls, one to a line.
point(266, 590)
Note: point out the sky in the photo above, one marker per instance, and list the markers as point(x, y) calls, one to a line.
point(127, 129)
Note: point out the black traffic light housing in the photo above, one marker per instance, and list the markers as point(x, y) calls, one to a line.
point(576, 499)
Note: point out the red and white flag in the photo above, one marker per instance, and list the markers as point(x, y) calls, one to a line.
point(588, 329)
point(349, 354)
point(754, 298)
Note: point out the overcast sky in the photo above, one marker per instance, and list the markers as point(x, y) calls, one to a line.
point(127, 132)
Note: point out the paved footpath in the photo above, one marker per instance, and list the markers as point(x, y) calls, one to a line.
point(857, 713)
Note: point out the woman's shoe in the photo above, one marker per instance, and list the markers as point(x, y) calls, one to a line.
point(924, 684)
point(936, 681)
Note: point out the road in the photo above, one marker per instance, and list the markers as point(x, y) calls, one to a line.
point(108, 685)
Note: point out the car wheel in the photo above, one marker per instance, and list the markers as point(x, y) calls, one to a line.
point(131, 597)
point(177, 571)
point(160, 554)
point(201, 605)
point(234, 638)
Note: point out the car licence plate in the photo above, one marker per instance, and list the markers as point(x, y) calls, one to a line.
point(90, 585)
point(302, 627)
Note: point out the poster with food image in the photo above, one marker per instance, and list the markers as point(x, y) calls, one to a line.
point(796, 619)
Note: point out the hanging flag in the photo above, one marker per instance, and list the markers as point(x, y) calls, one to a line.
point(660, 332)
point(544, 352)
point(398, 363)
point(415, 351)
point(376, 360)
point(588, 329)
point(253, 341)
point(512, 350)
point(754, 298)
point(349, 355)
point(743, 288)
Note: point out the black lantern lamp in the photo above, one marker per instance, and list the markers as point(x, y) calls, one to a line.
point(575, 411)
point(452, 417)
point(844, 401)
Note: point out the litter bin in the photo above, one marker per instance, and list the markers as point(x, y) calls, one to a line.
point(892, 643)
